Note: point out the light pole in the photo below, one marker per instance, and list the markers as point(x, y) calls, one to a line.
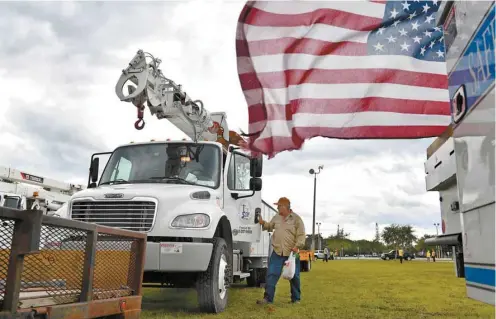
point(314, 173)
point(437, 233)
point(318, 234)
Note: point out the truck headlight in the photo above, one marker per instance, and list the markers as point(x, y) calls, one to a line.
point(191, 221)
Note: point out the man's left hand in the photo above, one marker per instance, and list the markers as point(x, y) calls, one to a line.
point(295, 249)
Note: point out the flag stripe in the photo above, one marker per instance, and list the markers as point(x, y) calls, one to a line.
point(369, 9)
point(305, 46)
point(275, 80)
point(347, 120)
point(342, 91)
point(332, 17)
point(276, 144)
point(270, 112)
point(321, 32)
point(282, 62)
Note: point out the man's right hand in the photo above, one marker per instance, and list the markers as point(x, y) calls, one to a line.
point(260, 220)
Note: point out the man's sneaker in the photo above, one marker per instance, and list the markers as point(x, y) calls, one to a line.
point(263, 302)
point(295, 301)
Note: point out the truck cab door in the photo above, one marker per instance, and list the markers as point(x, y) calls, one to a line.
point(241, 204)
point(97, 165)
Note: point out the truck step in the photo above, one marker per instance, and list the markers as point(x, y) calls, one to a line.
point(241, 275)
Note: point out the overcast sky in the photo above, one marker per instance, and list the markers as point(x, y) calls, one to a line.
point(59, 63)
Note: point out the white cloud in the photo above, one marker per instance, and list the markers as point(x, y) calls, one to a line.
point(59, 63)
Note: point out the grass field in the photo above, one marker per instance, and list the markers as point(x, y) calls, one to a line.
point(341, 289)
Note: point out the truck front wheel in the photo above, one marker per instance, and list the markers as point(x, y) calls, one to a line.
point(212, 284)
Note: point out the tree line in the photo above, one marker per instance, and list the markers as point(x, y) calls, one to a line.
point(391, 237)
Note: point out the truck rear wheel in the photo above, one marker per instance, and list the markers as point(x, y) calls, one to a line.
point(212, 285)
point(257, 277)
point(253, 279)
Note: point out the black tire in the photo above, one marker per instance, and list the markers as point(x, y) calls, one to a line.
point(262, 276)
point(253, 279)
point(209, 294)
point(257, 277)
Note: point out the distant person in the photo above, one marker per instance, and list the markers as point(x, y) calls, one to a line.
point(428, 255)
point(289, 236)
point(400, 254)
point(433, 254)
point(326, 254)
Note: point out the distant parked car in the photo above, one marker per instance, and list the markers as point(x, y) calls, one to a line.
point(393, 254)
point(319, 254)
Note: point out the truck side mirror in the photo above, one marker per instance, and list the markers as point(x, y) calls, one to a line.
point(256, 167)
point(95, 163)
point(255, 184)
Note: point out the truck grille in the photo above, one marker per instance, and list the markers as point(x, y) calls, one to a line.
point(131, 215)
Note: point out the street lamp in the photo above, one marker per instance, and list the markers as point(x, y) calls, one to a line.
point(314, 173)
point(436, 225)
point(437, 233)
point(318, 232)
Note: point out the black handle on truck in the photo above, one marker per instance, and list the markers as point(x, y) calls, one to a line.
point(258, 212)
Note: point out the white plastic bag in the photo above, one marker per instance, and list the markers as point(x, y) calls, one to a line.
point(288, 271)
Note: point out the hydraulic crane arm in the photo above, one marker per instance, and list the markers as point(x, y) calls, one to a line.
point(165, 99)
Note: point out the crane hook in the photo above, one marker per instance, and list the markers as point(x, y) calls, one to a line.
point(139, 124)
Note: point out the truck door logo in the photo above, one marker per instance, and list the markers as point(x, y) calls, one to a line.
point(245, 212)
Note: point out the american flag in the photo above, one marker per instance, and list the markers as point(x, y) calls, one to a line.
point(347, 69)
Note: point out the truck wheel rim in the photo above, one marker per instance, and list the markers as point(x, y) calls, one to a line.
point(222, 276)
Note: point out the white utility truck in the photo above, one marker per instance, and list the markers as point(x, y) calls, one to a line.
point(24, 191)
point(198, 200)
point(460, 163)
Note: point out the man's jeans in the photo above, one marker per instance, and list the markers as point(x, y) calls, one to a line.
point(276, 263)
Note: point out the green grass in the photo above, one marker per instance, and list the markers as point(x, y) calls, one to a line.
point(341, 289)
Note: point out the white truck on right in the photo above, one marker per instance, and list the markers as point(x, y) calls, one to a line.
point(460, 163)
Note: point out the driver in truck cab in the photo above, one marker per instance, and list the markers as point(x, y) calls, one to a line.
point(288, 236)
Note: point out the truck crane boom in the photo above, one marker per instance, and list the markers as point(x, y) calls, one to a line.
point(165, 99)
point(10, 174)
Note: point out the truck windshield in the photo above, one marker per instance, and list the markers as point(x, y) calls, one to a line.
point(12, 201)
point(179, 163)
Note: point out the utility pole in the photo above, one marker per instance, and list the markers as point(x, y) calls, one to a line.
point(314, 173)
point(437, 231)
point(318, 232)
point(377, 236)
point(437, 234)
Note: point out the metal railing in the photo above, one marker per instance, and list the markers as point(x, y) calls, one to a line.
point(65, 268)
